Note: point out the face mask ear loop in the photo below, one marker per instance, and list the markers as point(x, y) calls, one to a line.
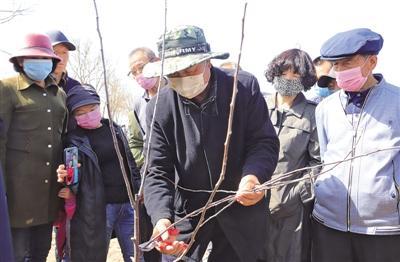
point(204, 70)
point(365, 61)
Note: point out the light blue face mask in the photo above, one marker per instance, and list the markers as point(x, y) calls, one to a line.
point(37, 69)
point(323, 91)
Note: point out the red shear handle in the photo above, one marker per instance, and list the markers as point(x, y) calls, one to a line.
point(70, 176)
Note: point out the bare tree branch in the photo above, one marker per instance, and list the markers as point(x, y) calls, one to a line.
point(6, 15)
point(268, 185)
point(86, 67)
point(110, 115)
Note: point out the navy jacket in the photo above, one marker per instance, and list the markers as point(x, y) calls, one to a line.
point(6, 251)
point(88, 226)
point(66, 83)
point(188, 144)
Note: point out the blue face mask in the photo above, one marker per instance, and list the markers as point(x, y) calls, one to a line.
point(37, 69)
point(323, 91)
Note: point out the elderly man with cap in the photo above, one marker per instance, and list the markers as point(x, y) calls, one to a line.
point(34, 111)
point(61, 47)
point(187, 146)
point(356, 213)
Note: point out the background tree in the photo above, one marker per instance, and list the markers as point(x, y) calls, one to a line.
point(85, 66)
point(10, 10)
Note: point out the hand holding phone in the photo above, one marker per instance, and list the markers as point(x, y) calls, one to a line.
point(71, 165)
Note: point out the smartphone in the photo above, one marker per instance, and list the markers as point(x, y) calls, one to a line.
point(71, 165)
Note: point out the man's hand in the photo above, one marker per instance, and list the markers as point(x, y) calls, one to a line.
point(245, 195)
point(167, 243)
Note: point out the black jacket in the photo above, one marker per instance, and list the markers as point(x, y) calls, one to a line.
point(88, 225)
point(188, 144)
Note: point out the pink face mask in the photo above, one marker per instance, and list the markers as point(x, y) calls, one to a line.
point(352, 79)
point(146, 83)
point(89, 120)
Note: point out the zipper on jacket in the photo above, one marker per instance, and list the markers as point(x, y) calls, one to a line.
point(202, 108)
point(396, 186)
point(350, 181)
point(280, 116)
point(204, 151)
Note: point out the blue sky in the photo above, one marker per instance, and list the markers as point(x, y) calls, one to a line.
point(271, 27)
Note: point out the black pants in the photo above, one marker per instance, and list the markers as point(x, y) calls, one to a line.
point(221, 248)
point(330, 245)
point(32, 243)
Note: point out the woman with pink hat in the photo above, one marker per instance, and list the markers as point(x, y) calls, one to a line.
point(33, 109)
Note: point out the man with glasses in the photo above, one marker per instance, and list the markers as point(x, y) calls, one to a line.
point(138, 58)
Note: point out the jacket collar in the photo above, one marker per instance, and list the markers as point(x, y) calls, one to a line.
point(146, 96)
point(23, 82)
point(373, 90)
point(298, 106)
point(63, 79)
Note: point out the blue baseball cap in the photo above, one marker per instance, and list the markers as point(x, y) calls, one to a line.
point(350, 43)
point(81, 95)
point(57, 37)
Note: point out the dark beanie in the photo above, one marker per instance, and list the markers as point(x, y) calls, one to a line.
point(81, 95)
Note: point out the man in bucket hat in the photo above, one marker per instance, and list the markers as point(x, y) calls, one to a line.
point(356, 213)
point(187, 150)
point(33, 109)
point(61, 47)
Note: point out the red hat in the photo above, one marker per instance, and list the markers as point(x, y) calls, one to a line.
point(35, 45)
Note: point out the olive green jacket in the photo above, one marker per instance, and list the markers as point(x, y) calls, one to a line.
point(137, 127)
point(135, 139)
point(31, 148)
point(297, 132)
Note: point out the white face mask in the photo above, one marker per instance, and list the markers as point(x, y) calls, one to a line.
point(189, 86)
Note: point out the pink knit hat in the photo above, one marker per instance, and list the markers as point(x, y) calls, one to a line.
point(35, 45)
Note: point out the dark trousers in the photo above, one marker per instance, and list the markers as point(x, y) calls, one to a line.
point(6, 250)
point(32, 243)
point(330, 245)
point(222, 250)
point(120, 218)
